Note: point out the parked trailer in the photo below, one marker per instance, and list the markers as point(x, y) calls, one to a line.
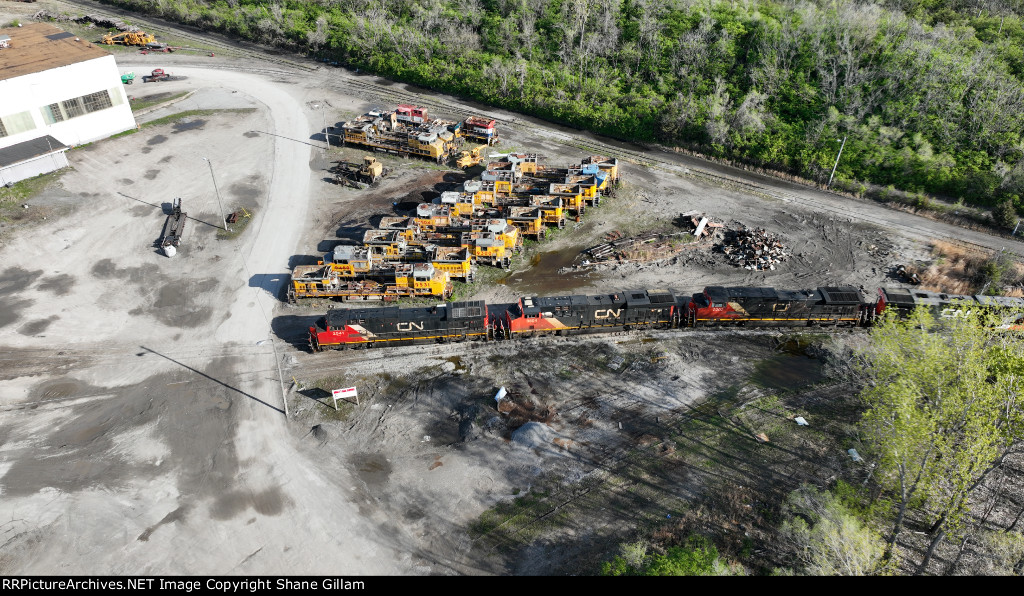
point(174, 227)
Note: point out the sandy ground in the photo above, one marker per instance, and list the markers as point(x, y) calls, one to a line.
point(142, 409)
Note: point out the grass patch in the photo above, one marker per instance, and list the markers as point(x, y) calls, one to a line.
point(173, 118)
point(235, 229)
point(142, 103)
point(12, 197)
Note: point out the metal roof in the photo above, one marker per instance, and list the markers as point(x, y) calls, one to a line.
point(38, 47)
point(27, 150)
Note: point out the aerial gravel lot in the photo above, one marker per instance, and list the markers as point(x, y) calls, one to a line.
point(163, 415)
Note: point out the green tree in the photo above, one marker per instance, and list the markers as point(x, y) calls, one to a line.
point(942, 411)
point(828, 536)
point(1005, 215)
point(697, 557)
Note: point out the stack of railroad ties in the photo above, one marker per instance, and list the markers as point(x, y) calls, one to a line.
point(485, 223)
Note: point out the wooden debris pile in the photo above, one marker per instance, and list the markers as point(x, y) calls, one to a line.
point(637, 249)
point(702, 227)
point(754, 249)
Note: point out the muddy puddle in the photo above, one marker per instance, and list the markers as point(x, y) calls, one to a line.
point(792, 368)
point(545, 275)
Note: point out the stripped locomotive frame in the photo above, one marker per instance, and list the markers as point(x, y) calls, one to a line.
point(831, 306)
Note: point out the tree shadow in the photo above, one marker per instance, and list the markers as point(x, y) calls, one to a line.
point(294, 329)
point(273, 283)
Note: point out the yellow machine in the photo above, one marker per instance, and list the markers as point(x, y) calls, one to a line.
point(468, 159)
point(128, 38)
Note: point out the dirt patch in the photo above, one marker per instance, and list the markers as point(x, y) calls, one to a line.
point(151, 174)
point(36, 327)
point(188, 124)
point(106, 269)
point(156, 140)
point(183, 304)
point(141, 211)
point(15, 279)
point(373, 468)
point(235, 503)
point(10, 313)
point(60, 286)
point(248, 192)
point(251, 134)
point(172, 517)
point(126, 181)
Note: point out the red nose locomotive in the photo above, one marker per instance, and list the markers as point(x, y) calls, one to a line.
point(833, 306)
point(393, 325)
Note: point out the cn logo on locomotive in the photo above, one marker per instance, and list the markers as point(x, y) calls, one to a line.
point(607, 313)
point(409, 326)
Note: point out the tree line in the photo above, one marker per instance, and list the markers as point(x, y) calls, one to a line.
point(928, 93)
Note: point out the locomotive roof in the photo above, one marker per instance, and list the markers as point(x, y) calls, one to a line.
point(830, 294)
point(452, 310)
point(629, 298)
point(841, 295)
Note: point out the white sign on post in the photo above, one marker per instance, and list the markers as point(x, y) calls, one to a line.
point(346, 393)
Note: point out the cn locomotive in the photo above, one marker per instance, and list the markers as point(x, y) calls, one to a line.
point(532, 316)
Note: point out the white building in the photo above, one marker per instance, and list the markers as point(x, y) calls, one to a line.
point(53, 83)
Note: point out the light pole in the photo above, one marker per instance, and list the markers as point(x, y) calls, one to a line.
point(217, 191)
point(837, 163)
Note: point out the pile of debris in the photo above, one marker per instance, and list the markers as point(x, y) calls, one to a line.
point(755, 250)
point(99, 21)
point(637, 249)
point(700, 226)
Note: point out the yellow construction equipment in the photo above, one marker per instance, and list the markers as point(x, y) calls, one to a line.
point(468, 159)
point(128, 38)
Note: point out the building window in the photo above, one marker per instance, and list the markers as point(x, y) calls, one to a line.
point(95, 102)
point(15, 123)
point(52, 113)
point(72, 107)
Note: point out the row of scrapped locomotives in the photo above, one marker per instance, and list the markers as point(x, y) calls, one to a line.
point(484, 223)
point(408, 130)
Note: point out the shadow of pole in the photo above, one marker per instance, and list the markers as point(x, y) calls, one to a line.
point(161, 208)
point(263, 132)
point(201, 373)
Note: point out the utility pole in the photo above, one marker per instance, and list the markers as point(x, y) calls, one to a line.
point(1015, 228)
point(327, 134)
point(837, 163)
point(217, 191)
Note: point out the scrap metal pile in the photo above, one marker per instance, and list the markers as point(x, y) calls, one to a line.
point(753, 249)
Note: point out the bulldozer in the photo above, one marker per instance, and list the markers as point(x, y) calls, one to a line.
point(351, 174)
point(468, 159)
point(128, 38)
